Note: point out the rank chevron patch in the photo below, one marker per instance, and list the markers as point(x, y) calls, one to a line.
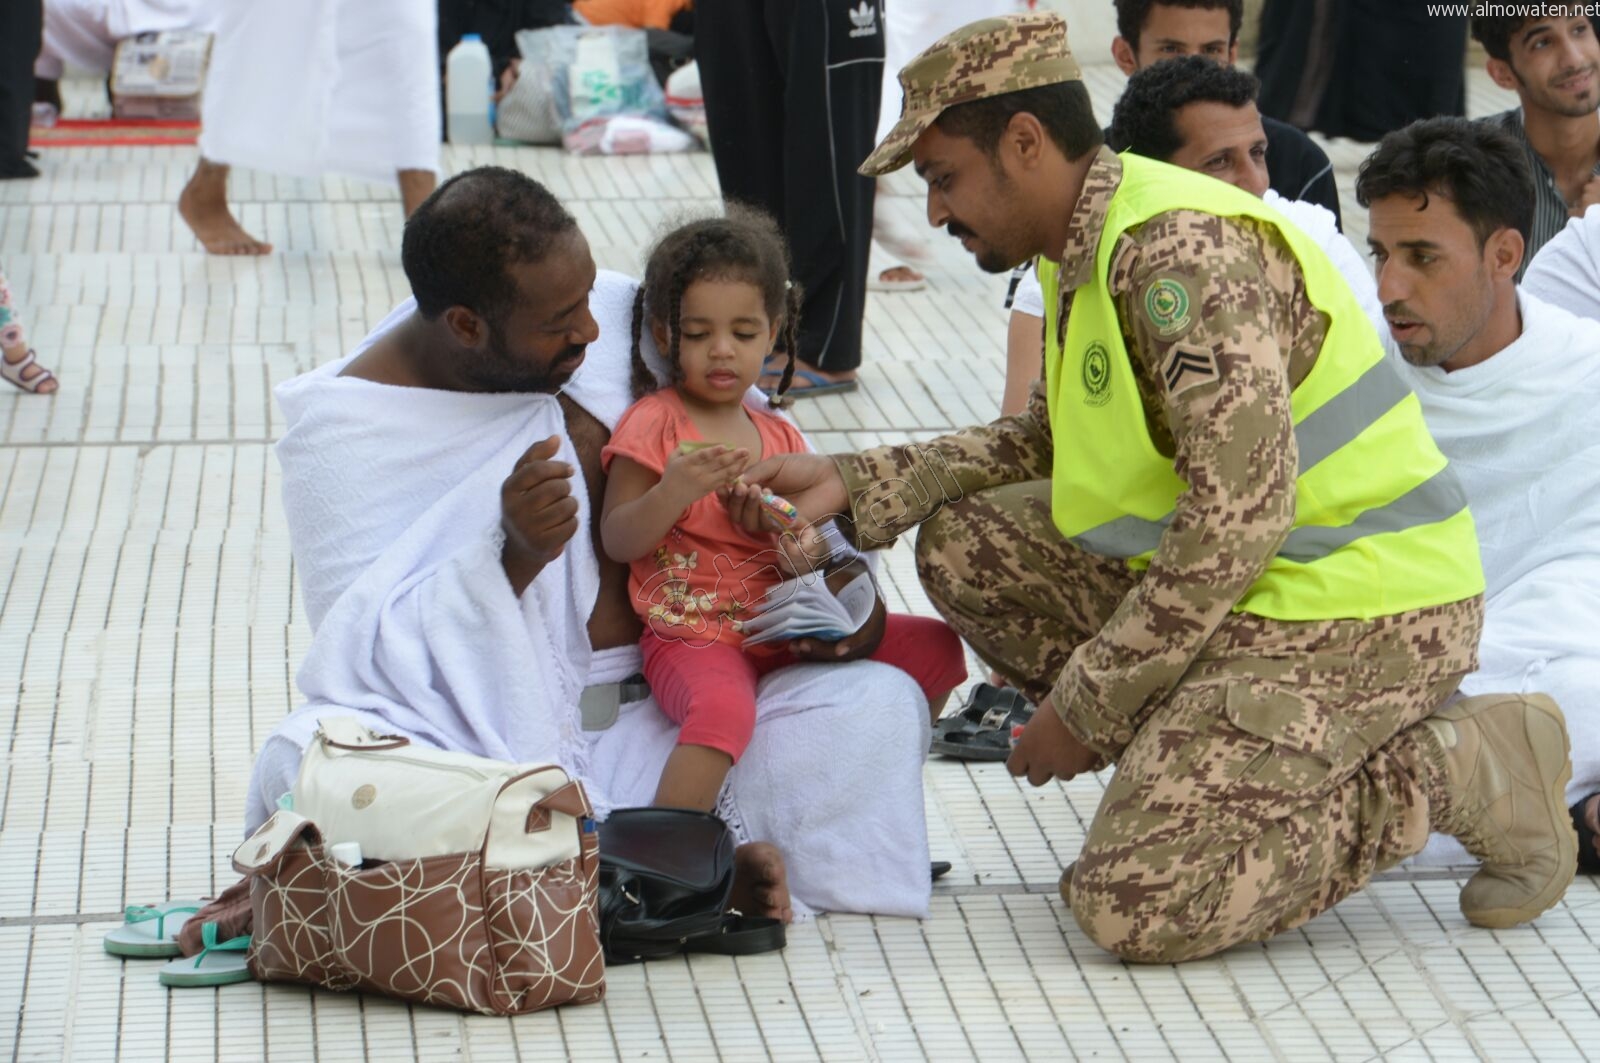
point(1188, 366)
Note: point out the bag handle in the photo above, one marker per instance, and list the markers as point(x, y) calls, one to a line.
point(345, 732)
point(569, 800)
point(261, 852)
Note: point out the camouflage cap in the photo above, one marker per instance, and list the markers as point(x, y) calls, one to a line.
point(989, 57)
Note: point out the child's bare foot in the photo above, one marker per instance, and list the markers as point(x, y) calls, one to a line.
point(204, 206)
point(761, 882)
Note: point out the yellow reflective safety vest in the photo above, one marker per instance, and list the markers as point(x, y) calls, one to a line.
point(1381, 525)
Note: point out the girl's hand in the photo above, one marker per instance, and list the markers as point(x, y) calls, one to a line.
point(688, 478)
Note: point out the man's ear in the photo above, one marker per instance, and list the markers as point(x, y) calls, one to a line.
point(1024, 139)
point(1122, 54)
point(466, 326)
point(1233, 52)
point(1501, 74)
point(658, 331)
point(1505, 249)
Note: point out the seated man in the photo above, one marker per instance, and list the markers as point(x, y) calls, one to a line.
point(442, 486)
point(1219, 550)
point(1194, 113)
point(1509, 386)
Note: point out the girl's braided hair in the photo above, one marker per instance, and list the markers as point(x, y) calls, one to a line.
point(743, 244)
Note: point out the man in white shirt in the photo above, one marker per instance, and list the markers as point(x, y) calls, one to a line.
point(1566, 271)
point(1508, 385)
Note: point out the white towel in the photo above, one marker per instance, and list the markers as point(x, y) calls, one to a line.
point(421, 630)
point(1566, 271)
point(1519, 430)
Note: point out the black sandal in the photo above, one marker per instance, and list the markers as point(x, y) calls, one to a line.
point(981, 729)
point(1588, 857)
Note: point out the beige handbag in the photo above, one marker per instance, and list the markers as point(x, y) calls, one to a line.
point(476, 890)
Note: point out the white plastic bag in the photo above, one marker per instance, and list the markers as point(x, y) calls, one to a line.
point(595, 75)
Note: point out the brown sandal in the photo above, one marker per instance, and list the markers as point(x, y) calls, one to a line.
point(13, 371)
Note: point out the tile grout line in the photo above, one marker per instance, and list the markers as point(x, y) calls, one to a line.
point(1014, 889)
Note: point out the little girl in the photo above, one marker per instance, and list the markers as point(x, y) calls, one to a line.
point(716, 293)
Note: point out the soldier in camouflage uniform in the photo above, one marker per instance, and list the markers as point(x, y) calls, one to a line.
point(1265, 769)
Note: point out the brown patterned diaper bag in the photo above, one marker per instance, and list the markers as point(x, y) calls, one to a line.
point(503, 921)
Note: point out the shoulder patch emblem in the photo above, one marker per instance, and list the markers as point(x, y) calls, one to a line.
point(1188, 366)
point(1169, 306)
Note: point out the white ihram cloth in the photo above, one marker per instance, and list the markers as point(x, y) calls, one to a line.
point(1566, 271)
point(85, 32)
point(311, 87)
point(392, 497)
point(1519, 432)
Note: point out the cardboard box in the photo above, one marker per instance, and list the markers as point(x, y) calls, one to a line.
point(160, 75)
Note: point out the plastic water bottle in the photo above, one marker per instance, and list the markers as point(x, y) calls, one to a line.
point(469, 77)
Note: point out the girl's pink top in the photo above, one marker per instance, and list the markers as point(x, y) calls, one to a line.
point(701, 581)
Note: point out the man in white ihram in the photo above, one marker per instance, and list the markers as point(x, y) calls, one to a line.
point(305, 88)
point(439, 486)
point(1509, 385)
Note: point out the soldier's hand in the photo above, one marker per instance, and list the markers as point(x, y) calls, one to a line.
point(537, 512)
point(1047, 750)
point(810, 482)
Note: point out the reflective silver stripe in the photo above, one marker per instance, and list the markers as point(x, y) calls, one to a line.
point(1333, 425)
point(1124, 537)
point(1342, 418)
point(1437, 498)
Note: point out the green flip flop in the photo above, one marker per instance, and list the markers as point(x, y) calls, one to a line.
point(218, 963)
point(150, 932)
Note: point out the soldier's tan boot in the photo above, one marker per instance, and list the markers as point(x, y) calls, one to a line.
point(1507, 762)
point(1066, 883)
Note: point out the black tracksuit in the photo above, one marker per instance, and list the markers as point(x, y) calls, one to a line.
point(791, 90)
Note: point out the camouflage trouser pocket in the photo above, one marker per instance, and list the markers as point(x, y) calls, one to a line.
point(1306, 736)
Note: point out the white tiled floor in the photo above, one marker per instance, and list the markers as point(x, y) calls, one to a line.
point(150, 625)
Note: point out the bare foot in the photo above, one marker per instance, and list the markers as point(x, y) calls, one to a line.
point(231, 913)
point(415, 186)
point(761, 882)
point(900, 274)
point(204, 206)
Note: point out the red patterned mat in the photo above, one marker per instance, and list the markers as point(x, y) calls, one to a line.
point(107, 132)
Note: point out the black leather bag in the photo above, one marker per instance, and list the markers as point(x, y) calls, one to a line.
point(666, 875)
